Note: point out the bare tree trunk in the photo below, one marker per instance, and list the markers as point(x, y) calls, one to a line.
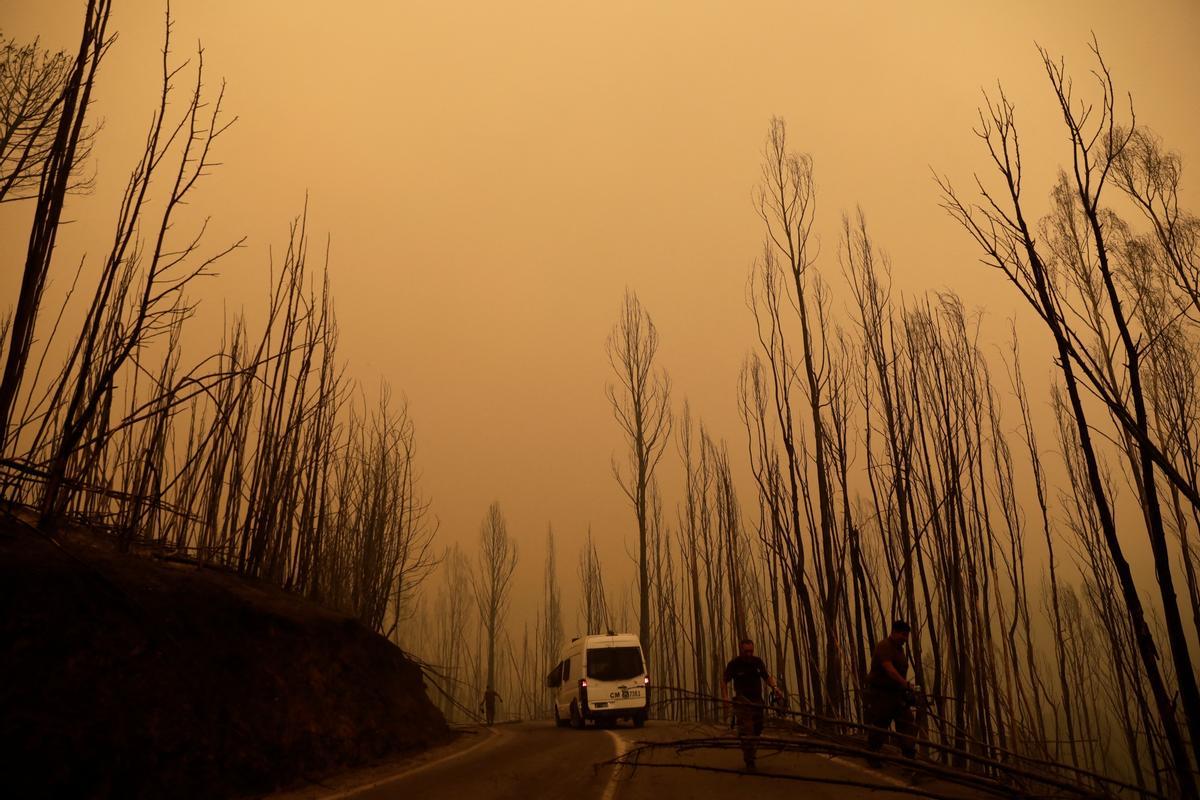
point(55, 181)
point(642, 408)
point(492, 582)
point(1030, 276)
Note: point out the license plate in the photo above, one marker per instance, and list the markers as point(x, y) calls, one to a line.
point(628, 693)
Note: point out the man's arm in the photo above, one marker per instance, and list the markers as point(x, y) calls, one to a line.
point(774, 686)
point(894, 674)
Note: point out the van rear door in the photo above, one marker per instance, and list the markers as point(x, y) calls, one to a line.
point(616, 677)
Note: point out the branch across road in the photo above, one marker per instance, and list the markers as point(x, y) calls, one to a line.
point(673, 761)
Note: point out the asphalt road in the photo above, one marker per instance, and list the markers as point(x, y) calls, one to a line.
point(536, 759)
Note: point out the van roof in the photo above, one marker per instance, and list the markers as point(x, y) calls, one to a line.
point(613, 640)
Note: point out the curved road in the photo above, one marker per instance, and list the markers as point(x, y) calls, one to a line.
point(510, 762)
point(536, 759)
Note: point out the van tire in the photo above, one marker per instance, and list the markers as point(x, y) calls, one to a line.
point(639, 720)
point(576, 717)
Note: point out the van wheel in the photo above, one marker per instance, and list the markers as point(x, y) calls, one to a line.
point(639, 720)
point(559, 721)
point(576, 717)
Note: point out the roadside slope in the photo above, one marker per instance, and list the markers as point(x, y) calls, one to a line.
point(126, 676)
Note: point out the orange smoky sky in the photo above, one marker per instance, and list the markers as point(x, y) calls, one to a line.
point(491, 176)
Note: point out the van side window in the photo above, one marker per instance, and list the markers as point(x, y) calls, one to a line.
point(554, 679)
point(566, 670)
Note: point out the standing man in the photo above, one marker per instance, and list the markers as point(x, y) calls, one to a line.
point(490, 696)
point(747, 673)
point(887, 692)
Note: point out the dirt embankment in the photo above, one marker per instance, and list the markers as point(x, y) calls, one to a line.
point(126, 676)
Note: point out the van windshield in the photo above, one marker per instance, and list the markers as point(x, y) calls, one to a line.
point(614, 663)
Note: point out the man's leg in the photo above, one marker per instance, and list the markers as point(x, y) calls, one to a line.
point(872, 716)
point(745, 727)
point(757, 716)
point(906, 729)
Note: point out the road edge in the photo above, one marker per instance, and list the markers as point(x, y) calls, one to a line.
point(364, 779)
point(493, 737)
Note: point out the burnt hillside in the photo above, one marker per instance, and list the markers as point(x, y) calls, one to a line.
point(130, 676)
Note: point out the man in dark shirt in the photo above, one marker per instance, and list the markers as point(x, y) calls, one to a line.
point(490, 696)
point(887, 690)
point(747, 672)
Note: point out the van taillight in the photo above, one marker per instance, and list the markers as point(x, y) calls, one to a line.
point(647, 681)
point(583, 683)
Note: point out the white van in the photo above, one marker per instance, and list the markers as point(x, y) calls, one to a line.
point(602, 678)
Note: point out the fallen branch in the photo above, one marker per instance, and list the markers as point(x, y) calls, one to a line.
point(1103, 786)
point(631, 759)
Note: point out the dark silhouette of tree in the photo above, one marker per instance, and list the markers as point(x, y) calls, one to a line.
point(492, 582)
point(140, 295)
point(1074, 278)
point(593, 599)
point(641, 403)
point(31, 97)
point(55, 173)
point(549, 633)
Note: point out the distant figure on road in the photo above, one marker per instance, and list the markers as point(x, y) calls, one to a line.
point(886, 699)
point(747, 673)
point(488, 704)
